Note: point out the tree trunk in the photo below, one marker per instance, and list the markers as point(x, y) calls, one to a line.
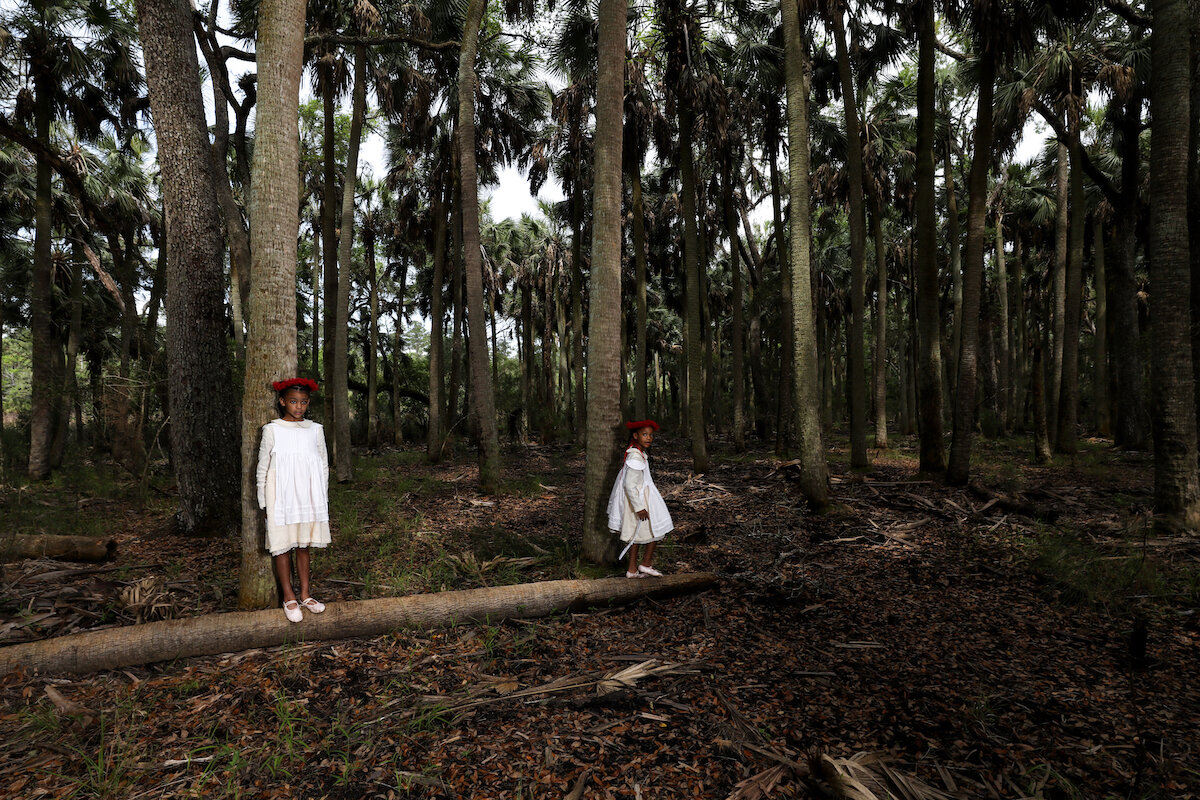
point(813, 469)
point(397, 354)
point(484, 403)
point(603, 446)
point(954, 244)
point(1041, 436)
point(329, 241)
point(1003, 343)
point(433, 436)
point(1068, 400)
point(338, 378)
point(456, 295)
point(527, 362)
point(271, 334)
point(787, 365)
point(881, 303)
point(114, 648)
point(1176, 484)
point(694, 346)
point(856, 361)
point(1058, 289)
point(70, 383)
point(737, 335)
point(641, 377)
point(42, 386)
point(1100, 379)
point(929, 356)
point(577, 423)
point(1132, 419)
point(66, 548)
point(204, 436)
point(316, 283)
point(373, 339)
point(964, 400)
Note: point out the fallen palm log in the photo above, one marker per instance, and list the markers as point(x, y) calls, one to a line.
point(67, 548)
point(244, 630)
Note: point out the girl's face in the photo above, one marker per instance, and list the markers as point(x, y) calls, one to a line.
point(294, 404)
point(643, 437)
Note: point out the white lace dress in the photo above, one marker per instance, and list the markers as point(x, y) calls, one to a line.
point(634, 491)
point(293, 485)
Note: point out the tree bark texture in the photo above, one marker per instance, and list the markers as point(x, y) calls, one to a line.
point(114, 648)
point(929, 355)
point(1058, 288)
point(204, 433)
point(964, 399)
point(1176, 483)
point(856, 361)
point(604, 430)
point(42, 386)
point(271, 333)
point(641, 376)
point(691, 266)
point(1068, 398)
point(437, 316)
point(339, 371)
point(806, 385)
point(484, 403)
point(881, 304)
point(1100, 357)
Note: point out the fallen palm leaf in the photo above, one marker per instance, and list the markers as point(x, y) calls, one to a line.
point(759, 786)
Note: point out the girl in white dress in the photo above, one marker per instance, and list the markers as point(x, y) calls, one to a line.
point(635, 508)
point(293, 481)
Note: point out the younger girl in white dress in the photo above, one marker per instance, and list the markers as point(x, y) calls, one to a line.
point(293, 481)
point(635, 508)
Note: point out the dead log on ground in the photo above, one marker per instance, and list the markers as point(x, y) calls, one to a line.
point(112, 648)
point(67, 548)
point(1014, 505)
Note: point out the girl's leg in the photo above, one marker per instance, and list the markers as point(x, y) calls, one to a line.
point(302, 571)
point(649, 553)
point(633, 560)
point(283, 571)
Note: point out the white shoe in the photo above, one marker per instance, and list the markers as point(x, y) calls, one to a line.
point(634, 575)
point(651, 571)
point(291, 610)
point(315, 606)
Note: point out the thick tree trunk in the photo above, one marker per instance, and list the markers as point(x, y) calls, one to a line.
point(958, 469)
point(397, 354)
point(604, 323)
point(929, 356)
point(66, 548)
point(1041, 435)
point(813, 469)
point(271, 335)
point(1176, 481)
point(787, 366)
point(114, 648)
point(484, 403)
point(204, 436)
point(329, 241)
point(856, 361)
point(578, 423)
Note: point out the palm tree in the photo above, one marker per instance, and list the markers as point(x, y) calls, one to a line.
point(813, 468)
point(271, 341)
point(481, 384)
point(203, 432)
point(604, 337)
point(1176, 482)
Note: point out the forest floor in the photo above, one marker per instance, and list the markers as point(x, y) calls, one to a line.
point(1031, 640)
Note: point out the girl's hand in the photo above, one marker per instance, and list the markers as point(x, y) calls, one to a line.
point(643, 514)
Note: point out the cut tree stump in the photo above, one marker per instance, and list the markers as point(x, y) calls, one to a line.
point(211, 634)
point(68, 548)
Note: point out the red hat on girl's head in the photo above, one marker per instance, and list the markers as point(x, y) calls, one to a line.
point(642, 423)
point(305, 383)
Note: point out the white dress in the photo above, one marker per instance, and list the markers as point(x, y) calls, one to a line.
point(293, 481)
point(634, 491)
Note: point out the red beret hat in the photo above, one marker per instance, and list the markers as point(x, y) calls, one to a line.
point(304, 383)
point(642, 423)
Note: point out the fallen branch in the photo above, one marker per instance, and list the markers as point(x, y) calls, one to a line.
point(224, 633)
